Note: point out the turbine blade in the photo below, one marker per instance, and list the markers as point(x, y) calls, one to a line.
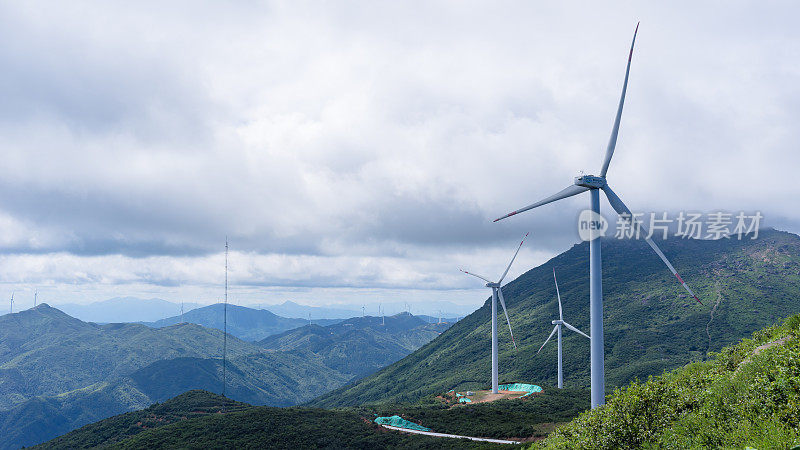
point(575, 329)
point(475, 275)
point(548, 338)
point(505, 311)
point(512, 259)
point(564, 193)
point(560, 313)
point(612, 142)
point(623, 211)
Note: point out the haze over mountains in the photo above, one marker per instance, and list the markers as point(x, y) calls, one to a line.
point(125, 309)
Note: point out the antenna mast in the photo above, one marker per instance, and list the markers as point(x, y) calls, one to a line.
point(225, 323)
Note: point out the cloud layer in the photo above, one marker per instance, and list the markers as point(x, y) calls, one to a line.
point(367, 145)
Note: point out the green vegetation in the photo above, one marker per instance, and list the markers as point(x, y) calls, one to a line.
point(650, 324)
point(186, 406)
point(748, 395)
point(194, 420)
point(532, 417)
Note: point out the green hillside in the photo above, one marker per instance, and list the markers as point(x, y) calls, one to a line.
point(186, 406)
point(46, 352)
point(361, 345)
point(196, 420)
point(748, 395)
point(650, 324)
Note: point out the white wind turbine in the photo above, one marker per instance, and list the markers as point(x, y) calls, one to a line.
point(594, 184)
point(497, 292)
point(557, 329)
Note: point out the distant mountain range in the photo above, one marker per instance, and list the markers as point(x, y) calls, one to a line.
point(245, 323)
point(295, 310)
point(58, 372)
point(125, 309)
point(650, 323)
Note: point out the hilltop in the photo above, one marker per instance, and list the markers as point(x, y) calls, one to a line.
point(245, 323)
point(650, 324)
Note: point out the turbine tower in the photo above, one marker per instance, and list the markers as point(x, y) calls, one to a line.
point(497, 292)
point(594, 184)
point(11, 311)
point(557, 329)
point(35, 297)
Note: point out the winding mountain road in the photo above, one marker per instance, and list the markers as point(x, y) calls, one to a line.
point(453, 436)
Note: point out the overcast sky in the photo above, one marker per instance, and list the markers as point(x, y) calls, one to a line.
point(356, 152)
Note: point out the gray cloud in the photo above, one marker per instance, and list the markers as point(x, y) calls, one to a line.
point(380, 136)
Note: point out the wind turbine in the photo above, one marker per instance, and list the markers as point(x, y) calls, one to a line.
point(497, 292)
point(557, 329)
point(594, 184)
point(12, 303)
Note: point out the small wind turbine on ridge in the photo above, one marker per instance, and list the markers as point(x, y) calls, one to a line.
point(557, 329)
point(497, 293)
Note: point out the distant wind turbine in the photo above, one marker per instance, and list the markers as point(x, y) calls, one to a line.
point(497, 292)
point(557, 329)
point(12, 303)
point(594, 184)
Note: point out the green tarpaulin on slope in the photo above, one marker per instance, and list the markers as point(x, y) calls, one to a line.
point(529, 388)
point(399, 422)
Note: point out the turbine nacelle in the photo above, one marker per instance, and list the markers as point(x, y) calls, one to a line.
point(557, 322)
point(492, 285)
point(590, 181)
